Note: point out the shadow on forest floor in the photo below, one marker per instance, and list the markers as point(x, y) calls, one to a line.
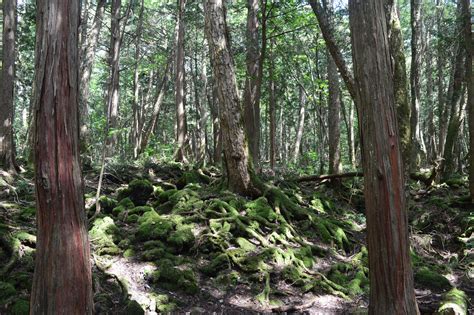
point(169, 239)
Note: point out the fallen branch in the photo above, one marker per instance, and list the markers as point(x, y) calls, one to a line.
point(314, 178)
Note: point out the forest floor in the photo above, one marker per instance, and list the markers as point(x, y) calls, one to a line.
point(169, 239)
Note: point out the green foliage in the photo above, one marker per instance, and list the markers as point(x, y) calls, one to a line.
point(20, 307)
point(153, 227)
point(7, 291)
point(103, 235)
point(431, 279)
point(134, 308)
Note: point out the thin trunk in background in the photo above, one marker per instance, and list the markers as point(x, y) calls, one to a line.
point(470, 89)
point(137, 123)
point(272, 109)
point(181, 124)
point(301, 121)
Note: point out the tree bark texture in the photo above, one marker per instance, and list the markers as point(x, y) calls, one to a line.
point(390, 271)
point(400, 80)
point(301, 120)
point(87, 61)
point(334, 118)
point(137, 111)
point(272, 111)
point(114, 84)
point(181, 128)
point(252, 82)
point(62, 282)
point(470, 89)
point(237, 164)
point(7, 88)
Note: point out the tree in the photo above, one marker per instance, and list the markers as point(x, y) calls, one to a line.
point(470, 89)
point(240, 174)
point(62, 283)
point(114, 64)
point(181, 128)
point(390, 271)
point(252, 83)
point(7, 87)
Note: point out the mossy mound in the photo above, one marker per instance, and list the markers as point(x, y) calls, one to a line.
point(107, 204)
point(122, 207)
point(152, 226)
point(173, 277)
point(7, 290)
point(431, 279)
point(27, 214)
point(454, 302)
point(164, 304)
point(133, 308)
point(103, 235)
point(139, 191)
point(20, 307)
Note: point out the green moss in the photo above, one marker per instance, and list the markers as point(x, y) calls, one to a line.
point(428, 278)
point(106, 204)
point(152, 244)
point(246, 245)
point(157, 191)
point(218, 263)
point(182, 238)
point(140, 210)
point(153, 254)
point(165, 195)
point(20, 307)
point(139, 191)
point(129, 253)
point(454, 302)
point(124, 205)
point(259, 208)
point(103, 235)
point(133, 308)
point(152, 226)
point(456, 181)
point(173, 278)
point(27, 213)
point(6, 291)
point(132, 218)
point(185, 200)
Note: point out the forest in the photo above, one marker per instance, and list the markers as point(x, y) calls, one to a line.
point(237, 157)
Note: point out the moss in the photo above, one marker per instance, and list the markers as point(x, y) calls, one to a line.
point(106, 204)
point(124, 205)
point(139, 191)
point(132, 218)
point(125, 243)
point(218, 263)
point(454, 302)
point(6, 291)
point(129, 253)
point(246, 245)
point(185, 200)
point(22, 280)
point(27, 213)
point(182, 238)
point(456, 181)
point(20, 307)
point(133, 308)
point(157, 191)
point(259, 208)
point(140, 210)
point(153, 254)
point(152, 226)
point(103, 235)
point(428, 278)
point(165, 195)
point(173, 278)
point(152, 244)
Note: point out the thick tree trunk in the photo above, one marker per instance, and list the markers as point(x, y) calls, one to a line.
point(301, 120)
point(391, 278)
point(181, 126)
point(442, 103)
point(114, 64)
point(62, 283)
point(470, 89)
point(349, 122)
point(400, 80)
point(7, 88)
point(87, 61)
point(240, 174)
point(415, 83)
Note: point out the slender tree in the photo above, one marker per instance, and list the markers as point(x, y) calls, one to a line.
point(62, 283)
point(7, 87)
point(240, 174)
point(390, 271)
point(469, 34)
point(181, 128)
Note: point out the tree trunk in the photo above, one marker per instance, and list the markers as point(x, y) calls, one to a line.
point(442, 103)
point(114, 64)
point(87, 61)
point(7, 88)
point(62, 282)
point(253, 82)
point(272, 111)
point(136, 128)
point(470, 89)
point(455, 103)
point(334, 118)
point(390, 271)
point(400, 80)
point(240, 173)
point(202, 114)
point(415, 83)
point(349, 122)
point(301, 118)
point(431, 140)
point(181, 128)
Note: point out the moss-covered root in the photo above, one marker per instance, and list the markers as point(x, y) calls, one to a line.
point(454, 302)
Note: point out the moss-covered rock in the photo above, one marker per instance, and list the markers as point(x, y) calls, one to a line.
point(103, 235)
point(152, 226)
point(259, 208)
point(132, 218)
point(182, 238)
point(431, 279)
point(185, 200)
point(20, 307)
point(174, 278)
point(107, 204)
point(133, 308)
point(217, 263)
point(153, 254)
point(454, 302)
point(128, 253)
point(139, 191)
point(123, 206)
point(163, 303)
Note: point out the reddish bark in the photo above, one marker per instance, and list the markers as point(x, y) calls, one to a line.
point(62, 283)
